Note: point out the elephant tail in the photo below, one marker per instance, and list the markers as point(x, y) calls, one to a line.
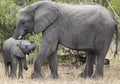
point(1, 49)
point(117, 38)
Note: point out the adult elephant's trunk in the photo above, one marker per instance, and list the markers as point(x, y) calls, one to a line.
point(19, 34)
point(16, 36)
point(19, 37)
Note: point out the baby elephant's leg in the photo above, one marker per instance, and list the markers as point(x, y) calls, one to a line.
point(14, 67)
point(22, 64)
point(20, 69)
point(25, 63)
point(6, 69)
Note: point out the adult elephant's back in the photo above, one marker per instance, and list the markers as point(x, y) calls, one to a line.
point(83, 26)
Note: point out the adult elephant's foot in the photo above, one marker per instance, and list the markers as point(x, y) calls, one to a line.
point(97, 76)
point(85, 75)
point(20, 76)
point(82, 75)
point(54, 76)
point(12, 76)
point(36, 75)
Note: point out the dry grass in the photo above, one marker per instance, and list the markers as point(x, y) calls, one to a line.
point(68, 75)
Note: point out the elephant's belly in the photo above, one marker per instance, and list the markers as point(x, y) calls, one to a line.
point(78, 42)
point(78, 45)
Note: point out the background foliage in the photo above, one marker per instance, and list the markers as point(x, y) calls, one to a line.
point(9, 9)
point(116, 6)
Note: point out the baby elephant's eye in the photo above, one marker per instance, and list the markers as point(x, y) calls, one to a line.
point(26, 47)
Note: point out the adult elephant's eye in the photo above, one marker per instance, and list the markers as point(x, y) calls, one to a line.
point(22, 21)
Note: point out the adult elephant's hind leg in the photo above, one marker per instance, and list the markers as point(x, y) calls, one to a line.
point(100, 64)
point(88, 71)
point(52, 59)
point(101, 54)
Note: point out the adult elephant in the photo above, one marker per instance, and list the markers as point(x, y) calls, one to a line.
point(14, 52)
point(87, 27)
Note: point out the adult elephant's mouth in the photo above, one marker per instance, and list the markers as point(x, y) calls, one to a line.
point(21, 37)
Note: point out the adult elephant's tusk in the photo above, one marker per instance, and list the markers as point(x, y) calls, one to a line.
point(27, 55)
point(20, 37)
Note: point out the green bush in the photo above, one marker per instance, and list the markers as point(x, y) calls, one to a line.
point(8, 12)
point(116, 6)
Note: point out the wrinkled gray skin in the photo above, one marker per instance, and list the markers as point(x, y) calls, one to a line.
point(14, 52)
point(87, 27)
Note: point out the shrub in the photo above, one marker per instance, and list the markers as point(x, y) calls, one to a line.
point(8, 10)
point(116, 6)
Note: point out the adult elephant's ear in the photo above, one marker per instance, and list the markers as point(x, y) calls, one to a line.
point(44, 16)
point(16, 51)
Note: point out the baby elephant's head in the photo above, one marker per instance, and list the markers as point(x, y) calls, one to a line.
point(27, 46)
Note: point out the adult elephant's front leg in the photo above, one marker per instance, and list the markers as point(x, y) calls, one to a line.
point(49, 45)
point(38, 63)
point(52, 59)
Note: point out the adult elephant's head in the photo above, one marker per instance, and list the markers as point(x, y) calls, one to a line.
point(35, 18)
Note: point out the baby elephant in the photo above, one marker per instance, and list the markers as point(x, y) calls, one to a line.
point(14, 52)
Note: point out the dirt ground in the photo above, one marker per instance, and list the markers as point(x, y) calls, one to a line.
point(68, 74)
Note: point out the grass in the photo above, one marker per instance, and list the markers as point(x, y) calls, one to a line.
point(68, 75)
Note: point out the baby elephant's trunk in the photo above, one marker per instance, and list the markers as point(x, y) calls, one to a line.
point(25, 67)
point(32, 48)
point(25, 64)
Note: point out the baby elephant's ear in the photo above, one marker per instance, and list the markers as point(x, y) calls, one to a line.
point(16, 51)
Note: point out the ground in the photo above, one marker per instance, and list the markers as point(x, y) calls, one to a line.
point(68, 74)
